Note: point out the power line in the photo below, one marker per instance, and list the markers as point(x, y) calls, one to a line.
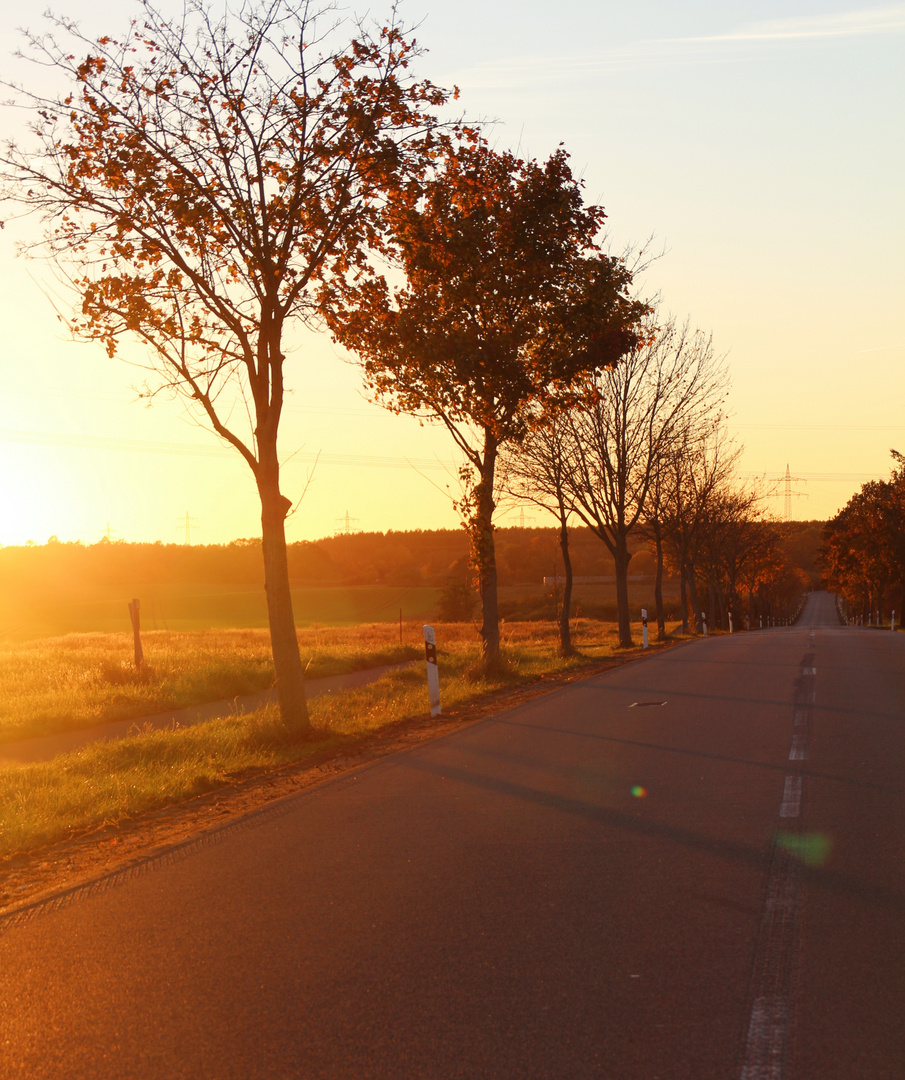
point(818, 476)
point(817, 427)
point(99, 442)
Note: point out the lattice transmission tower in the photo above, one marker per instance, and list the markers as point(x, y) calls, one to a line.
point(788, 480)
point(346, 525)
point(188, 523)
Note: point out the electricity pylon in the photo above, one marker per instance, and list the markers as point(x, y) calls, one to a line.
point(188, 523)
point(345, 525)
point(788, 480)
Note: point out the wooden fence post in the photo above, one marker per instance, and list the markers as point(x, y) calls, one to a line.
point(136, 632)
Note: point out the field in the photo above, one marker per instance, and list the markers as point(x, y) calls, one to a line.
point(77, 680)
point(74, 609)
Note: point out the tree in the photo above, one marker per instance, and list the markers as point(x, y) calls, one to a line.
point(640, 409)
point(536, 471)
point(204, 181)
point(507, 303)
point(698, 467)
point(863, 549)
point(733, 544)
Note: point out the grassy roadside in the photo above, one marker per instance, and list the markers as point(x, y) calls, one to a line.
point(76, 681)
point(109, 782)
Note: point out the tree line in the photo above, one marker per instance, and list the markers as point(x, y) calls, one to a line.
point(210, 181)
point(413, 558)
point(643, 454)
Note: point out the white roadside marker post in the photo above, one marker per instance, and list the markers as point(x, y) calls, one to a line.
point(730, 622)
point(892, 621)
point(761, 620)
point(433, 673)
point(704, 623)
point(644, 628)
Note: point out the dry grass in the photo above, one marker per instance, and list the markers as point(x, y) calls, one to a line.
point(109, 782)
point(76, 681)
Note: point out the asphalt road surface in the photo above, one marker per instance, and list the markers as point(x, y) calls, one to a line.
point(688, 868)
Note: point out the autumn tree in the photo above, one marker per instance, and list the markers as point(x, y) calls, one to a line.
point(506, 303)
point(201, 181)
point(863, 551)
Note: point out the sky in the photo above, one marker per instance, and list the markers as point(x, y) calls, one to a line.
point(761, 146)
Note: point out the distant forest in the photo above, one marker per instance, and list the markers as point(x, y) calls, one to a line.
point(416, 558)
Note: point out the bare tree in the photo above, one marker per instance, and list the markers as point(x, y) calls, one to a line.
point(638, 410)
point(204, 182)
point(733, 539)
point(697, 473)
point(536, 472)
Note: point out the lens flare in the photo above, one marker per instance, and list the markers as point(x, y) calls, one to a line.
point(639, 792)
point(812, 848)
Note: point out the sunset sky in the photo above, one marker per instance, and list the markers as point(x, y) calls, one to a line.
point(762, 146)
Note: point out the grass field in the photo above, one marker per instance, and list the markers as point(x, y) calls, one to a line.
point(74, 681)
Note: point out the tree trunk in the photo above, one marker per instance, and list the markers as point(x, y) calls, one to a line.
point(623, 614)
point(565, 635)
point(693, 594)
point(658, 582)
point(711, 602)
point(722, 606)
point(683, 597)
point(484, 557)
point(287, 663)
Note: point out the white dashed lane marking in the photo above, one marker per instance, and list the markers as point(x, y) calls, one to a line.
point(799, 750)
point(791, 798)
point(767, 1050)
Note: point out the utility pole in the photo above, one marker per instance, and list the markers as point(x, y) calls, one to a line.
point(188, 523)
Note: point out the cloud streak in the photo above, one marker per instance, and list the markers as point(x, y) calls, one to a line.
point(844, 24)
point(712, 48)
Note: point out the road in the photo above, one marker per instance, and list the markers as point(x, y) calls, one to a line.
point(688, 868)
